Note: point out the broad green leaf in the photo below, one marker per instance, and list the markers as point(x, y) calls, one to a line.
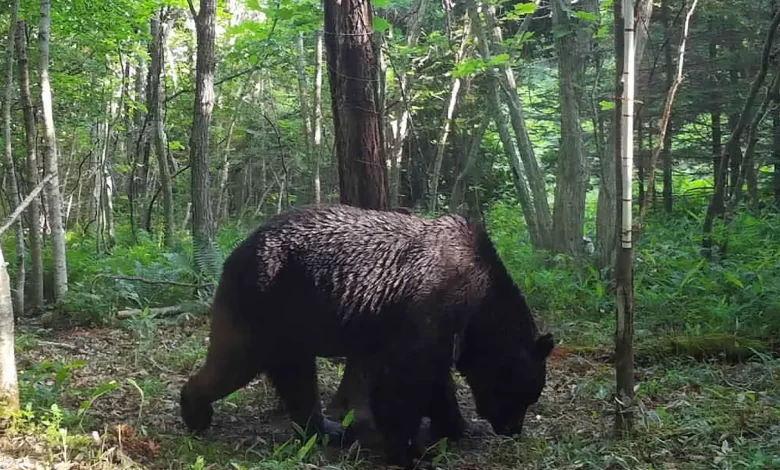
point(606, 105)
point(380, 24)
point(525, 8)
point(499, 59)
point(380, 3)
point(586, 15)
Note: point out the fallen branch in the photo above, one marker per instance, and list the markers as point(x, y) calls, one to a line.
point(153, 312)
point(145, 281)
point(23, 205)
point(69, 347)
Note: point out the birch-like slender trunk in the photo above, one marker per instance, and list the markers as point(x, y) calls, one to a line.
point(449, 112)
point(401, 123)
point(317, 151)
point(155, 105)
point(303, 100)
point(533, 173)
point(493, 93)
point(54, 198)
point(624, 269)
point(13, 185)
point(36, 255)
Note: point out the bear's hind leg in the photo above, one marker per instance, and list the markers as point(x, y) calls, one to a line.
point(229, 366)
point(296, 384)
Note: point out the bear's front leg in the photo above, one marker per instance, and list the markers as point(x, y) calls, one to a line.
point(296, 384)
point(444, 411)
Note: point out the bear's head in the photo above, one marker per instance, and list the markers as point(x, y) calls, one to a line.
point(506, 381)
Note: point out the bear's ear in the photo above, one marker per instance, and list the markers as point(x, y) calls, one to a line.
point(544, 345)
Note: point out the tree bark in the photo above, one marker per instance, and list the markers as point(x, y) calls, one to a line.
point(624, 263)
point(357, 123)
point(30, 131)
point(352, 70)
point(401, 123)
point(666, 153)
point(303, 101)
point(9, 381)
point(441, 142)
point(202, 219)
point(54, 197)
point(317, 124)
point(154, 106)
point(572, 176)
point(13, 184)
point(469, 167)
point(506, 77)
point(493, 95)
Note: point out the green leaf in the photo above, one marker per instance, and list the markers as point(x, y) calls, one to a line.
point(380, 3)
point(606, 105)
point(380, 24)
point(499, 59)
point(525, 8)
point(560, 31)
point(587, 16)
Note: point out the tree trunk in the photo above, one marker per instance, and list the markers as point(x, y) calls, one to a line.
point(318, 149)
point(401, 123)
point(30, 131)
point(54, 198)
point(352, 60)
point(154, 106)
point(467, 172)
point(606, 224)
point(202, 220)
point(441, 142)
point(624, 270)
point(223, 199)
point(536, 184)
point(733, 149)
point(303, 101)
point(13, 185)
point(666, 152)
point(9, 381)
point(572, 176)
point(357, 123)
point(535, 228)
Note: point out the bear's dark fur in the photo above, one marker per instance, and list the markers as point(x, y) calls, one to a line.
point(390, 290)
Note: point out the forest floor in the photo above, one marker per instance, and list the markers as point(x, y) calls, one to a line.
point(116, 390)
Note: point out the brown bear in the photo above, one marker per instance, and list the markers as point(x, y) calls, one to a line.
point(393, 291)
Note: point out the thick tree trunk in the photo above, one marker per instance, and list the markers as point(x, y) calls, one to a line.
point(13, 185)
point(154, 106)
point(54, 198)
point(353, 66)
point(36, 255)
point(357, 123)
point(572, 176)
point(666, 152)
point(441, 142)
point(202, 220)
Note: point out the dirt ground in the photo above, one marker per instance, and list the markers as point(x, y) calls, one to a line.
point(134, 421)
